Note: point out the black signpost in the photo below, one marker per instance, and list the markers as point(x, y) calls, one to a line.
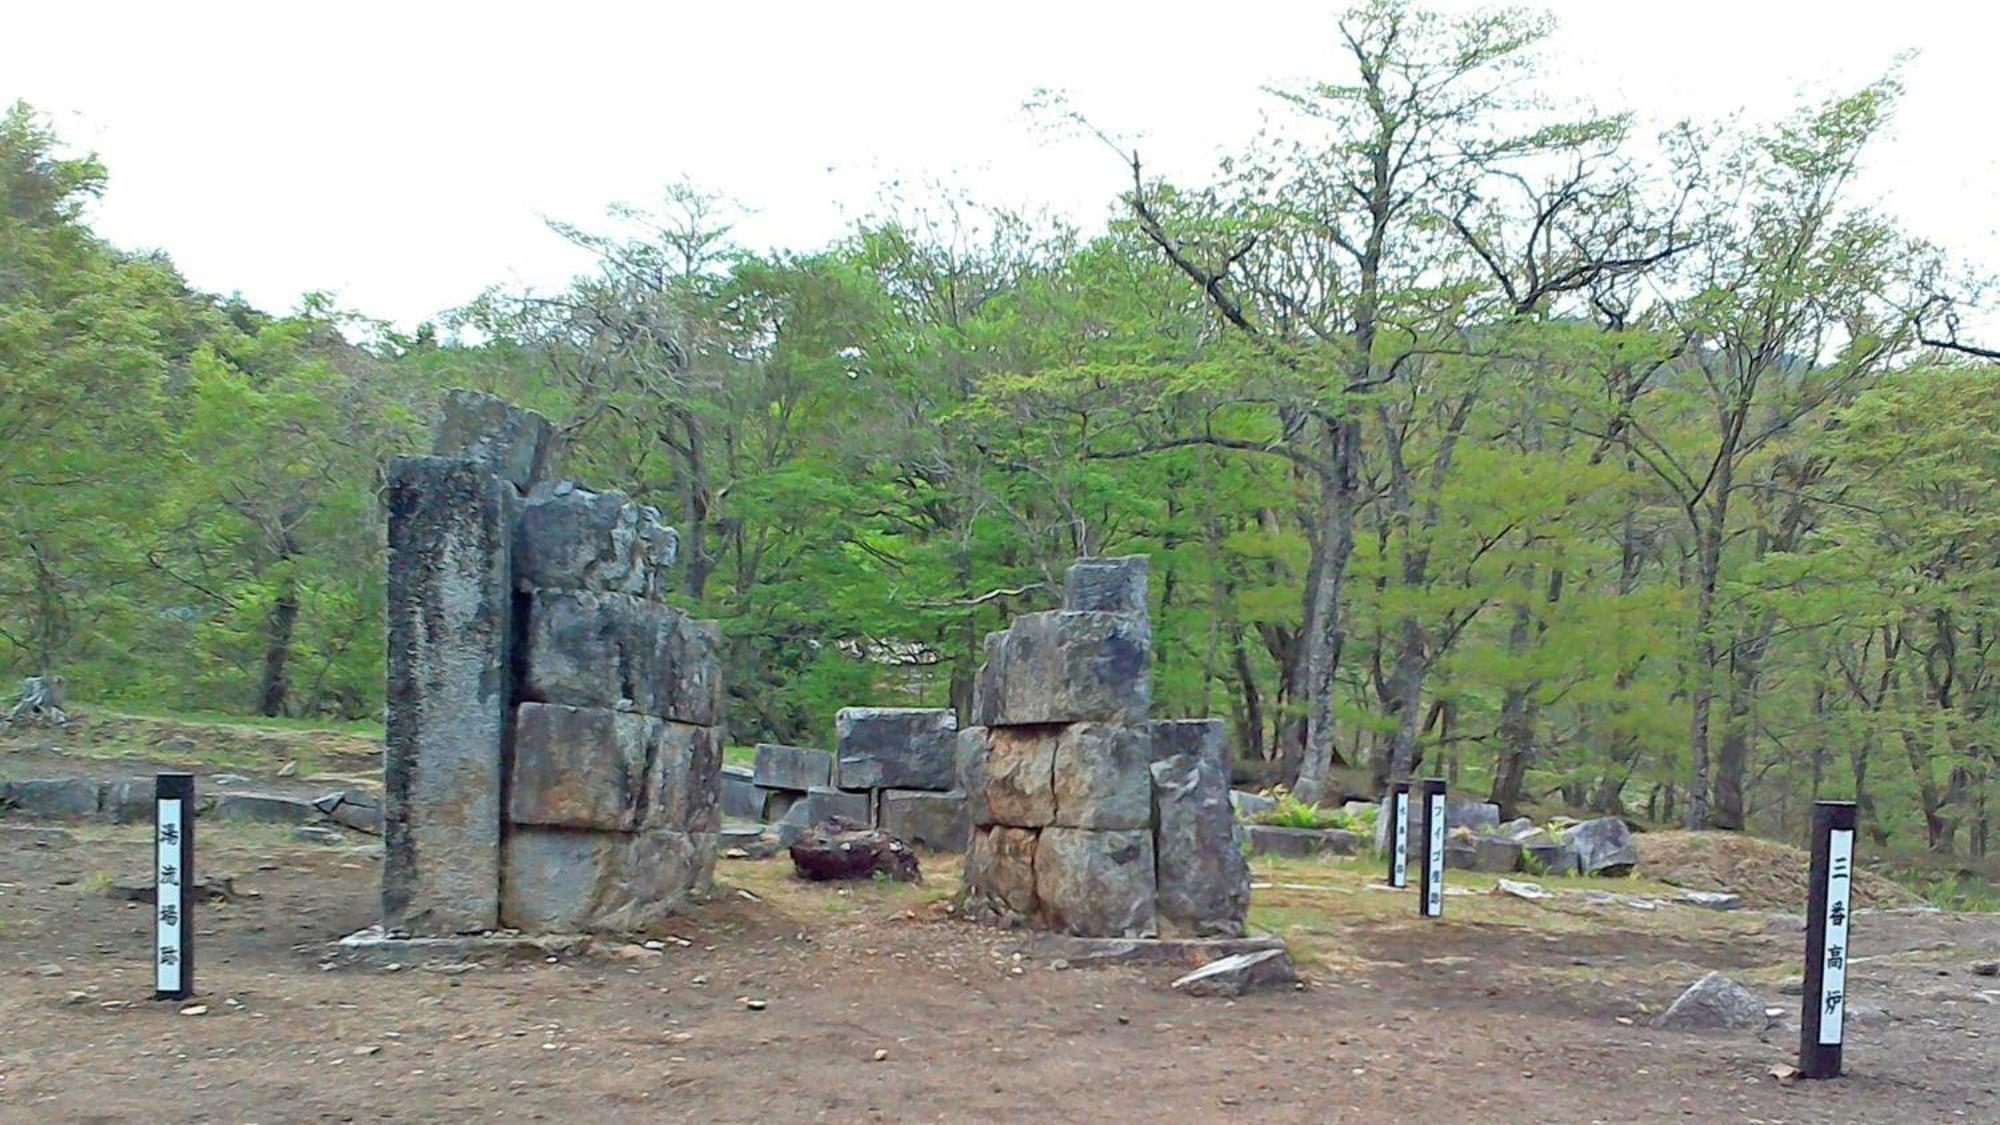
point(1397, 809)
point(1822, 1016)
point(1430, 900)
point(173, 880)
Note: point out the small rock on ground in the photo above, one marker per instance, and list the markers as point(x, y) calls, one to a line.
point(1233, 976)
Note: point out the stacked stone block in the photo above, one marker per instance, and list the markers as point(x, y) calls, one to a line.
point(592, 801)
point(896, 767)
point(1087, 817)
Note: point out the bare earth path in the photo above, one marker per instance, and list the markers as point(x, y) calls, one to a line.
point(1506, 1011)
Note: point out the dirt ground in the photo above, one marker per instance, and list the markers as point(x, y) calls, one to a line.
point(1503, 1011)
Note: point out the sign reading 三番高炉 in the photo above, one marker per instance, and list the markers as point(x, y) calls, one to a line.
point(1833, 971)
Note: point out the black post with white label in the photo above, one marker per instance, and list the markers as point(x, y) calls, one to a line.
point(1829, 909)
point(1430, 900)
point(173, 883)
point(1397, 836)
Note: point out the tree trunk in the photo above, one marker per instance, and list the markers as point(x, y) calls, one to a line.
point(1336, 517)
point(279, 625)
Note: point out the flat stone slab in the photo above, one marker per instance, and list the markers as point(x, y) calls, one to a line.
point(896, 748)
point(374, 948)
point(1097, 952)
point(1235, 975)
point(1301, 843)
point(57, 798)
point(263, 808)
point(797, 768)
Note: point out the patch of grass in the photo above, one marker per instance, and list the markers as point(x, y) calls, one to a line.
point(739, 755)
point(365, 728)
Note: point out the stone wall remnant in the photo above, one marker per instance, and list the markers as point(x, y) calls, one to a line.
point(531, 655)
point(1086, 817)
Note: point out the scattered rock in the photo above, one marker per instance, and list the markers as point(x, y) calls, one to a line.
point(57, 798)
point(1711, 900)
point(263, 808)
point(1529, 891)
point(1986, 968)
point(881, 1054)
point(318, 834)
point(50, 969)
point(289, 769)
point(1235, 975)
point(1715, 1003)
point(837, 850)
point(195, 1010)
point(355, 808)
point(1792, 986)
point(209, 888)
point(1604, 846)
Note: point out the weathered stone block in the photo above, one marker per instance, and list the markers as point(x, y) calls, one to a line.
point(825, 802)
point(263, 808)
point(572, 538)
point(1100, 776)
point(58, 798)
point(895, 748)
point(1604, 846)
point(1203, 880)
point(580, 767)
point(560, 880)
point(450, 600)
point(1095, 883)
point(1490, 854)
point(130, 800)
point(352, 808)
point(792, 767)
point(1239, 973)
point(1000, 874)
point(1250, 806)
point(617, 651)
point(503, 439)
point(1018, 782)
point(684, 785)
point(1549, 857)
point(973, 746)
point(1065, 667)
point(1299, 843)
point(917, 816)
point(1113, 585)
point(740, 796)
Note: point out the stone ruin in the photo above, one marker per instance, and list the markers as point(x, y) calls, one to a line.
point(1088, 817)
point(555, 733)
point(895, 768)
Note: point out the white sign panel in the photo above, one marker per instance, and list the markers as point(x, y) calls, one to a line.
point(1401, 844)
point(169, 906)
point(1833, 973)
point(1434, 821)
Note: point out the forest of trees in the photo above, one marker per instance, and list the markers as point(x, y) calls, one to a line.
point(1592, 469)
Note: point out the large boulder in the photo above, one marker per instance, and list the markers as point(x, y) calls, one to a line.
point(684, 785)
point(1715, 1003)
point(1016, 785)
point(1066, 667)
point(896, 748)
point(939, 821)
point(1000, 874)
point(622, 653)
point(797, 768)
point(1100, 778)
point(572, 538)
point(1095, 883)
point(580, 767)
point(56, 798)
point(1604, 846)
point(1107, 585)
point(1203, 881)
point(560, 880)
point(503, 439)
point(835, 850)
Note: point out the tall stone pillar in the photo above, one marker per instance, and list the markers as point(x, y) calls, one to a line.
point(450, 600)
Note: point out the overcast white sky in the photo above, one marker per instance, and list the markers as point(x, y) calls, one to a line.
point(401, 155)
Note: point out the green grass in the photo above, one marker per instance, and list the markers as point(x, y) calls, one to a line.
point(739, 755)
point(366, 728)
